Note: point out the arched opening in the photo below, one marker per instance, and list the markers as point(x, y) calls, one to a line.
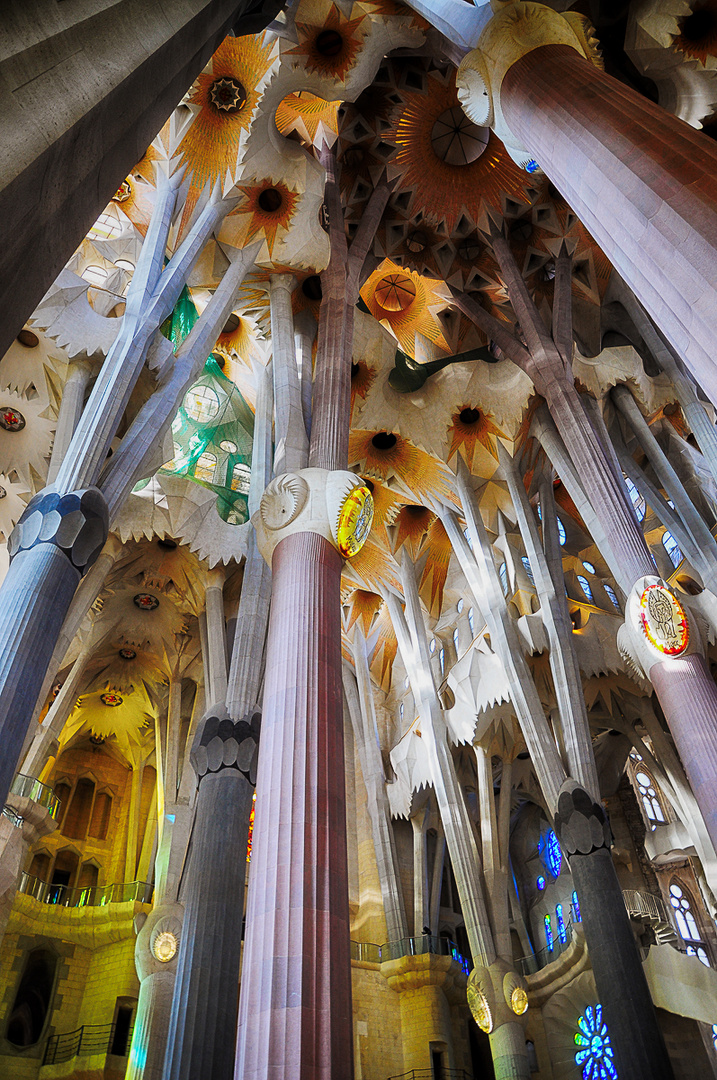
point(87, 882)
point(62, 791)
point(101, 815)
point(33, 998)
point(77, 818)
point(63, 876)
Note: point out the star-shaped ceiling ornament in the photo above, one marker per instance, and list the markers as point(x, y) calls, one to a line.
point(227, 94)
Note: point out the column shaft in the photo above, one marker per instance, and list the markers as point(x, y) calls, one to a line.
point(688, 696)
point(640, 180)
point(295, 1009)
point(202, 1029)
point(640, 1052)
point(73, 396)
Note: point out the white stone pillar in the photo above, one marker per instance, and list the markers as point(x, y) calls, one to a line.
point(216, 654)
point(292, 445)
point(71, 405)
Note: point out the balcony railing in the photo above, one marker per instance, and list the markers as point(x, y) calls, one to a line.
point(91, 896)
point(12, 816)
point(40, 793)
point(439, 1073)
point(528, 965)
point(90, 1039)
point(368, 952)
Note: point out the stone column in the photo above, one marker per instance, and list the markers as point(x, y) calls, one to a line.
point(292, 445)
point(204, 1009)
point(359, 697)
point(640, 1052)
point(216, 649)
point(156, 968)
point(305, 335)
point(55, 541)
point(640, 180)
point(130, 866)
point(71, 405)
point(295, 1010)
point(419, 821)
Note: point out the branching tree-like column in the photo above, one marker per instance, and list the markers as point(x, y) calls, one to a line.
point(674, 667)
point(64, 527)
point(295, 1006)
point(579, 820)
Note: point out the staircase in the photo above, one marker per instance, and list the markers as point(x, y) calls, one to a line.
point(652, 911)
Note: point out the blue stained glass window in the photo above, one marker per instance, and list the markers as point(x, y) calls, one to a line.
point(561, 532)
point(585, 586)
point(455, 639)
point(589, 566)
point(442, 660)
point(471, 621)
point(636, 499)
point(672, 548)
point(613, 598)
point(459, 606)
point(714, 1036)
point(540, 883)
point(553, 854)
point(576, 908)
point(562, 932)
point(503, 574)
point(549, 933)
point(526, 563)
point(594, 1054)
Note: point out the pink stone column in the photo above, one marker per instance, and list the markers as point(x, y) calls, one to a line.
point(642, 181)
point(688, 697)
point(295, 1007)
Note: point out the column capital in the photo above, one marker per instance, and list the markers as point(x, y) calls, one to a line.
point(580, 822)
point(335, 504)
point(221, 744)
point(497, 995)
point(515, 29)
point(77, 523)
point(285, 281)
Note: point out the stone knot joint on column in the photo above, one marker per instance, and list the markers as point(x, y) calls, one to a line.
point(225, 744)
point(581, 823)
point(77, 523)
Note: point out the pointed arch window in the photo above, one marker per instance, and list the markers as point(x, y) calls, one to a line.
point(585, 586)
point(549, 934)
point(577, 917)
point(687, 924)
point(650, 798)
point(612, 597)
point(562, 536)
point(503, 575)
point(672, 548)
point(204, 469)
point(471, 622)
point(562, 932)
point(526, 563)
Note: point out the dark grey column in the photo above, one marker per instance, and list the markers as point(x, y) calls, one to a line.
point(202, 1028)
point(640, 1052)
point(55, 541)
point(81, 97)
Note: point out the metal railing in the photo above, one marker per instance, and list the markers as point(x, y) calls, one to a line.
point(33, 789)
point(89, 1039)
point(439, 1073)
point(646, 905)
point(368, 952)
point(528, 965)
point(90, 896)
point(14, 818)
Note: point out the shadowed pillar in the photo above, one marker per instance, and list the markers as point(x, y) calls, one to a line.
point(295, 1013)
point(635, 1033)
point(641, 181)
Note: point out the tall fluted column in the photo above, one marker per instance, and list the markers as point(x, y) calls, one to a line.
point(292, 445)
point(295, 1012)
point(73, 396)
point(204, 1009)
point(216, 651)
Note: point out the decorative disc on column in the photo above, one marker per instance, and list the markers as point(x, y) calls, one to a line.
point(663, 620)
point(11, 419)
point(355, 520)
point(479, 1006)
